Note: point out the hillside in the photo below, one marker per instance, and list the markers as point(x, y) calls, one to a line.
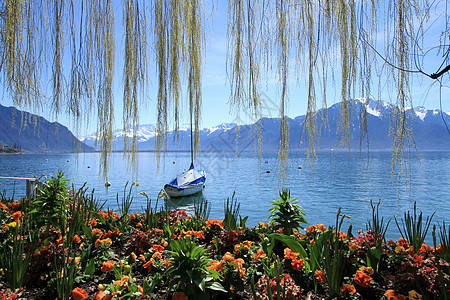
point(429, 130)
point(35, 134)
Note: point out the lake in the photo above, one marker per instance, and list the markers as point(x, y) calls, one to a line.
point(337, 179)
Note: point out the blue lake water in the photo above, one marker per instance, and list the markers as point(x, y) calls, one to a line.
point(336, 180)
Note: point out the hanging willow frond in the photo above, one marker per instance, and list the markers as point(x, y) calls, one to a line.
point(104, 46)
point(243, 62)
point(135, 74)
point(195, 44)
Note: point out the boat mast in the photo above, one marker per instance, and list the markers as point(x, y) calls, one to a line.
point(192, 139)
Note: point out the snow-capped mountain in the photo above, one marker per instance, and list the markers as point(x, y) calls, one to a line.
point(429, 129)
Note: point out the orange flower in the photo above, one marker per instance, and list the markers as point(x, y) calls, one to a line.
point(362, 279)
point(166, 263)
point(228, 257)
point(148, 265)
point(158, 231)
point(122, 281)
point(157, 255)
point(318, 228)
point(180, 296)
point(289, 254)
point(341, 235)
point(3, 206)
point(297, 264)
point(108, 234)
point(93, 222)
point(216, 265)
point(260, 254)
point(262, 224)
point(76, 238)
point(15, 205)
point(393, 295)
point(319, 276)
point(117, 231)
point(100, 295)
point(107, 266)
point(348, 288)
point(211, 223)
point(79, 294)
point(133, 256)
point(104, 241)
point(158, 248)
point(97, 232)
point(16, 216)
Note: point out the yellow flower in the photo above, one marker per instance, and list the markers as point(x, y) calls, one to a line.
point(12, 224)
point(367, 270)
point(399, 249)
point(414, 295)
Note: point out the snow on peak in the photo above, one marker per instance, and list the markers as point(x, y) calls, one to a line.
point(421, 112)
point(223, 127)
point(373, 107)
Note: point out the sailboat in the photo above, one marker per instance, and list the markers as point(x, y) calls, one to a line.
point(189, 182)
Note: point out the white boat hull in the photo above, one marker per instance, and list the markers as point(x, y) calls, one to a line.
point(188, 190)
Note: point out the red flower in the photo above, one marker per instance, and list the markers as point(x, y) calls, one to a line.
point(79, 294)
point(76, 238)
point(362, 279)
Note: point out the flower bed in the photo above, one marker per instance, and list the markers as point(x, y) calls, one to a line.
point(63, 245)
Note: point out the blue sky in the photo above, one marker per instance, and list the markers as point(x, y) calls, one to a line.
point(216, 90)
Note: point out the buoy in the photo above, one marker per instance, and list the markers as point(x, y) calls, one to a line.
point(267, 171)
point(68, 160)
point(173, 162)
point(46, 160)
point(299, 167)
point(89, 167)
point(108, 184)
point(266, 162)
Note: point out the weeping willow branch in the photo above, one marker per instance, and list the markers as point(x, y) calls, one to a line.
point(135, 74)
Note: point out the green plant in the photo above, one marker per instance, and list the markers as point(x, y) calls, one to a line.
point(287, 213)
point(189, 270)
point(443, 251)
point(378, 229)
point(231, 209)
point(377, 225)
point(49, 207)
point(17, 250)
point(413, 228)
point(328, 254)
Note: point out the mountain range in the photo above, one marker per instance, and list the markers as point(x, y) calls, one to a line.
point(33, 133)
point(430, 131)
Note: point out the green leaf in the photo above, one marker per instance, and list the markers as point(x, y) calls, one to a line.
point(216, 286)
point(291, 242)
point(90, 268)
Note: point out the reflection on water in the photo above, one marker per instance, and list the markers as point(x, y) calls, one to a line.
point(186, 203)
